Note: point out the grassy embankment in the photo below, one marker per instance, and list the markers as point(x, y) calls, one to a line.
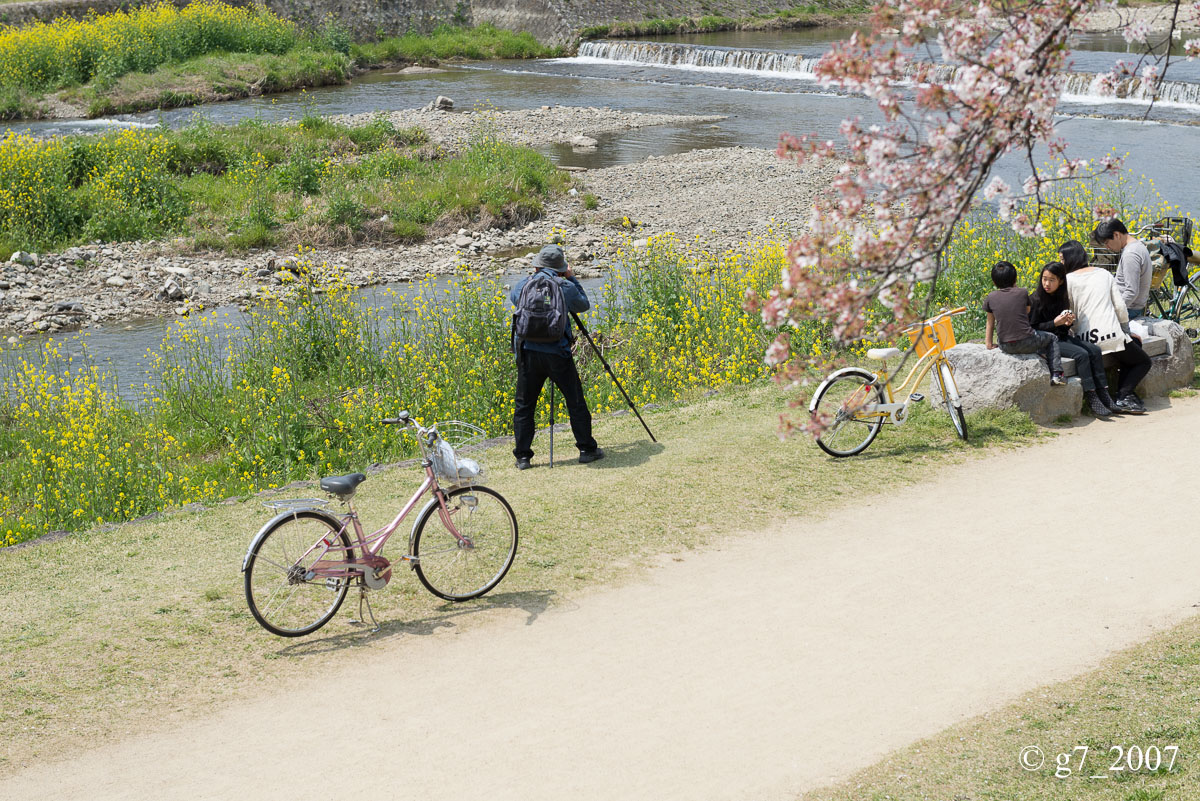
point(163, 57)
point(303, 396)
point(799, 16)
point(260, 184)
point(124, 627)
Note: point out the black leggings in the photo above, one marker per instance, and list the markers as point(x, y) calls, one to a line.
point(1132, 365)
point(1089, 362)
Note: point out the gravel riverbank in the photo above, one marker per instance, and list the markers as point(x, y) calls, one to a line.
point(1157, 16)
point(720, 195)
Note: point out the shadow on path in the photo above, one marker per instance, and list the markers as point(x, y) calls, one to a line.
point(533, 603)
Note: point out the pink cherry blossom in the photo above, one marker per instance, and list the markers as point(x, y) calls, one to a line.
point(959, 85)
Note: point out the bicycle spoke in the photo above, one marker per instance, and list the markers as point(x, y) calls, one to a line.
point(458, 570)
point(844, 399)
point(279, 596)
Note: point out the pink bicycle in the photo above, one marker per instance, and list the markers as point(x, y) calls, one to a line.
point(300, 565)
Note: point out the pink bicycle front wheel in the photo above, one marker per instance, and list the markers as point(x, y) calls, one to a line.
point(469, 565)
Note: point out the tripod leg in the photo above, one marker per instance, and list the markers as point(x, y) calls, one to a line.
point(583, 330)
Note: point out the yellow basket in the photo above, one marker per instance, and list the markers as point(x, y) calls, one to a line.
point(1157, 277)
point(945, 334)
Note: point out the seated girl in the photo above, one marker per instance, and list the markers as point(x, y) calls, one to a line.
point(1051, 312)
point(1102, 320)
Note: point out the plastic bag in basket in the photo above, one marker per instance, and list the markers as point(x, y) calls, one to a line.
point(451, 469)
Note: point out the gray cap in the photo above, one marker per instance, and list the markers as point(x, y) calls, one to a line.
point(551, 258)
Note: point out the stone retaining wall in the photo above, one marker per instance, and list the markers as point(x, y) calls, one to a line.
point(551, 21)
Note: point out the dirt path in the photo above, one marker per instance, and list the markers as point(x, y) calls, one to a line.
point(780, 662)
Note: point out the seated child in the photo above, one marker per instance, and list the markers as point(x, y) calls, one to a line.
point(1007, 310)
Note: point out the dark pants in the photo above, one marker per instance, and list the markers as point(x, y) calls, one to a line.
point(1132, 365)
point(533, 368)
point(1089, 362)
point(1042, 342)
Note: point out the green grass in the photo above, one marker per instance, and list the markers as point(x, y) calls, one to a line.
point(1145, 696)
point(102, 48)
point(259, 184)
point(211, 78)
point(173, 66)
point(448, 42)
point(126, 622)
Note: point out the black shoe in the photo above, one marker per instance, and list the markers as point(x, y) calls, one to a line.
point(523, 463)
point(1130, 405)
point(586, 457)
point(1093, 402)
point(1105, 398)
point(1057, 380)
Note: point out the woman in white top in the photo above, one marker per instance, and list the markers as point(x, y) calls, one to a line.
point(1102, 319)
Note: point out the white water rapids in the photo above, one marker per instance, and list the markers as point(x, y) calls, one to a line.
point(1077, 87)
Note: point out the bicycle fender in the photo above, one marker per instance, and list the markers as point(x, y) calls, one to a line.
point(836, 374)
point(331, 518)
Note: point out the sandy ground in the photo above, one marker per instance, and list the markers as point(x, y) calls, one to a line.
point(780, 662)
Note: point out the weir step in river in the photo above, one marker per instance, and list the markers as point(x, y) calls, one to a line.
point(1076, 86)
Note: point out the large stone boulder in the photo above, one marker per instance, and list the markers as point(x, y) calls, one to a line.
point(1172, 364)
point(993, 379)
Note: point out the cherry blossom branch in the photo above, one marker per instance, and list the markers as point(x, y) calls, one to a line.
point(904, 184)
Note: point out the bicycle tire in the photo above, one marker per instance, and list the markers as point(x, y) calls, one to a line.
point(831, 399)
point(456, 570)
point(1160, 300)
point(275, 563)
point(1187, 310)
point(951, 399)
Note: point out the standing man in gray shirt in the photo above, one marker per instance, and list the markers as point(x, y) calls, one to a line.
point(1134, 270)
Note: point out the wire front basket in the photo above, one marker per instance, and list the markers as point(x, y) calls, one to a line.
point(461, 435)
point(451, 468)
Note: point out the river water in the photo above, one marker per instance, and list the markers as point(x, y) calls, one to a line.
point(760, 81)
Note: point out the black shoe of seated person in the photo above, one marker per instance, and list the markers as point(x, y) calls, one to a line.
point(1057, 380)
point(586, 457)
point(1094, 403)
point(1129, 405)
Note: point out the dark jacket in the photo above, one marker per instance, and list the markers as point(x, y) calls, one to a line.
point(577, 301)
point(1042, 311)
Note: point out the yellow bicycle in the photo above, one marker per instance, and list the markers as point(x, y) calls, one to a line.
point(857, 402)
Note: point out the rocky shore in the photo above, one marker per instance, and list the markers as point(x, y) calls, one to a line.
point(99, 283)
point(1157, 16)
point(535, 126)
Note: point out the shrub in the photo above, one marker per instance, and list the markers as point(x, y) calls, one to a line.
point(344, 209)
point(67, 52)
point(302, 173)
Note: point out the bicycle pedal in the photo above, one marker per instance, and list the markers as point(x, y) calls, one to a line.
point(916, 397)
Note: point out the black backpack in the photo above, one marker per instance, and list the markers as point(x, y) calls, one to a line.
point(541, 314)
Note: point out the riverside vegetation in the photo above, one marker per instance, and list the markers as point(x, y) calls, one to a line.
point(161, 57)
point(259, 184)
point(301, 391)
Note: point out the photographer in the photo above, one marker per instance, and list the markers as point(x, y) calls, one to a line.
point(538, 361)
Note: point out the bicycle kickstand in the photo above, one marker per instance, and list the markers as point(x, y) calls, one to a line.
point(363, 599)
